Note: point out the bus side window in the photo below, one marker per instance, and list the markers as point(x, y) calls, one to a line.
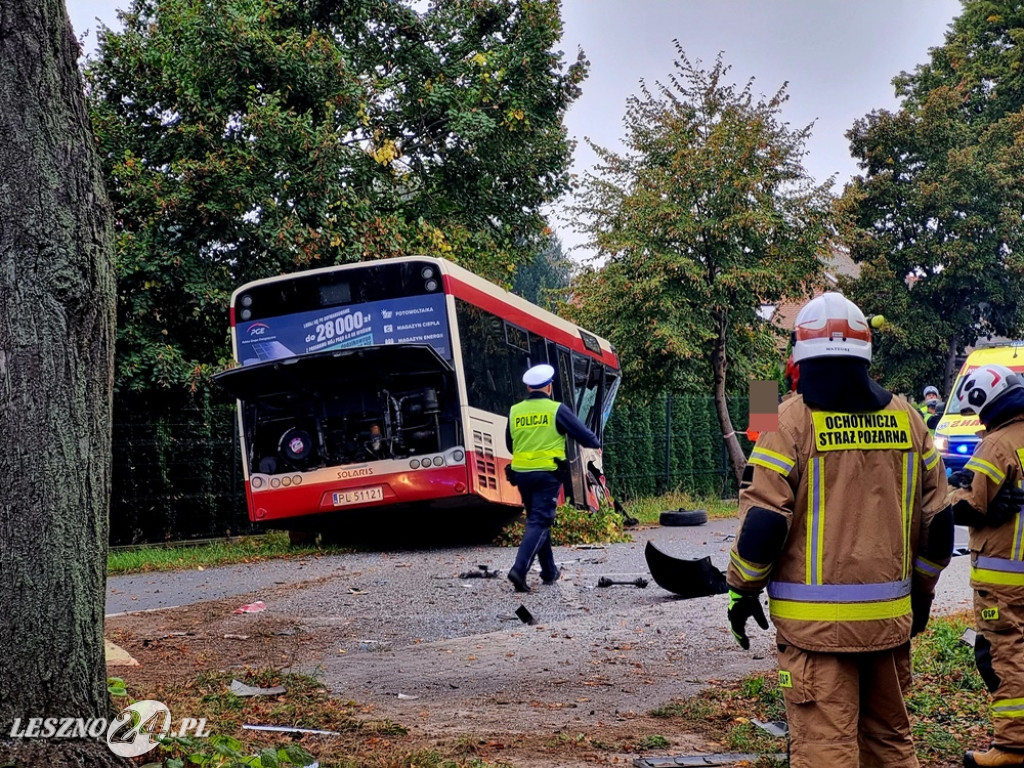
point(486, 359)
point(587, 374)
point(611, 388)
point(538, 349)
point(519, 357)
point(564, 392)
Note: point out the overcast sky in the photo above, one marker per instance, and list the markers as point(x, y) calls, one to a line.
point(838, 56)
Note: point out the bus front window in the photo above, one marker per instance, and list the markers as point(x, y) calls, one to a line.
point(346, 407)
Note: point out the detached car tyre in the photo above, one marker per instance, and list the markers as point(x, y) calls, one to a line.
point(684, 517)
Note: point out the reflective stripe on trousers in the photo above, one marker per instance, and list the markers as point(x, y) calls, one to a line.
point(1008, 708)
point(998, 570)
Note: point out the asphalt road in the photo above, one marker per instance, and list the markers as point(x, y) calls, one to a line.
point(156, 591)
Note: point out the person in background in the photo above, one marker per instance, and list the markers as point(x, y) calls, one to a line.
point(843, 519)
point(934, 414)
point(988, 498)
point(536, 432)
point(931, 397)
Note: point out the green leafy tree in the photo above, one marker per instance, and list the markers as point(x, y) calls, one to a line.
point(935, 216)
point(56, 366)
point(545, 278)
point(246, 138)
point(708, 214)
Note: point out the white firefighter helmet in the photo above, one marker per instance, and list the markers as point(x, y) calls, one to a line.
point(831, 326)
point(985, 385)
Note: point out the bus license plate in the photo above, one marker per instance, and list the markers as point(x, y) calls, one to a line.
point(358, 495)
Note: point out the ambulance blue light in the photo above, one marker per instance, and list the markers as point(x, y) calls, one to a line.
point(963, 449)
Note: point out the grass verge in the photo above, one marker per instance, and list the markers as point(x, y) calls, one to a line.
point(948, 703)
point(649, 508)
point(723, 714)
point(575, 526)
point(360, 740)
point(247, 549)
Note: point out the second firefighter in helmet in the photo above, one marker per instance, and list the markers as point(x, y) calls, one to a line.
point(988, 499)
point(843, 520)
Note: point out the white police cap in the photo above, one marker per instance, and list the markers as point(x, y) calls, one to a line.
point(539, 376)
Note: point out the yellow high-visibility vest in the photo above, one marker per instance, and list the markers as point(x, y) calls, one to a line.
point(536, 442)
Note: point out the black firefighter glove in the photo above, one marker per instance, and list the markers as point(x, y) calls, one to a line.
point(741, 607)
point(921, 607)
point(962, 478)
point(1004, 505)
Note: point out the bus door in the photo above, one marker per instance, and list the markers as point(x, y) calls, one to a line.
point(565, 392)
point(594, 388)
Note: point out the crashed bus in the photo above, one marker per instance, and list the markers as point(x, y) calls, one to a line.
point(385, 386)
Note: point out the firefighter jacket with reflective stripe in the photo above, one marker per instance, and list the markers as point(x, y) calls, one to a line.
point(997, 552)
point(536, 442)
point(857, 493)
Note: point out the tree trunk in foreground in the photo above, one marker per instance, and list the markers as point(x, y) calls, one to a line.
point(56, 374)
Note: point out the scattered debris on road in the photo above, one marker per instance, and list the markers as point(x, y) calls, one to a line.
point(256, 607)
point(482, 572)
point(284, 729)
point(639, 582)
point(525, 616)
point(239, 688)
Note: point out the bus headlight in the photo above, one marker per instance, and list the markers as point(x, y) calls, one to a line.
point(414, 464)
point(941, 443)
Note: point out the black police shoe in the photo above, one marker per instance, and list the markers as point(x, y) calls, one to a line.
point(518, 582)
point(553, 579)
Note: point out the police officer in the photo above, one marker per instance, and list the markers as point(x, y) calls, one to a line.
point(843, 519)
point(988, 499)
point(535, 435)
point(931, 398)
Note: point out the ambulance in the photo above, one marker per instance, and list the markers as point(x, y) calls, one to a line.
point(956, 434)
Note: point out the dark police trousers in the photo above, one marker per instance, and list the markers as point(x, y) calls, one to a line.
point(539, 491)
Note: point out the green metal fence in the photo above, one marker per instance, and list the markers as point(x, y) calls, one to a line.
point(177, 478)
point(672, 443)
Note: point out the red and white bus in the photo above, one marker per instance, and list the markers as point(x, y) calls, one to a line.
point(388, 383)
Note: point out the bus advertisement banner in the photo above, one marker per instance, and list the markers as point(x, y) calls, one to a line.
point(406, 320)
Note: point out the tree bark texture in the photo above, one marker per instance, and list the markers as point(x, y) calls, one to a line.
point(56, 378)
point(718, 363)
point(950, 370)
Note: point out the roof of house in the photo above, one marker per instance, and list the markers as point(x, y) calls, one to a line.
point(838, 262)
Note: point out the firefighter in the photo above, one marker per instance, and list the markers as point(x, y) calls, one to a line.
point(843, 519)
point(987, 497)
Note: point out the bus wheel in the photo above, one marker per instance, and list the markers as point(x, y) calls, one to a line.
point(684, 517)
point(297, 538)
